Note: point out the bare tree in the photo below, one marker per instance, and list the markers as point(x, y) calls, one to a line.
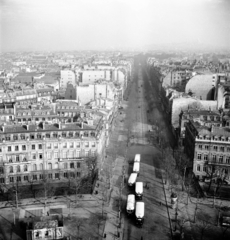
point(79, 223)
point(202, 225)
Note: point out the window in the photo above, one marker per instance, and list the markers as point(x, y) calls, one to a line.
point(55, 145)
point(86, 153)
point(78, 174)
point(70, 134)
point(72, 175)
point(214, 158)
point(204, 169)
point(71, 165)
point(221, 159)
point(25, 178)
point(78, 165)
point(70, 154)
point(31, 136)
point(56, 155)
point(215, 148)
point(205, 157)
point(48, 145)
point(65, 175)
point(200, 146)
point(199, 156)
point(64, 145)
point(34, 156)
point(16, 148)
point(15, 137)
point(56, 175)
point(41, 166)
point(33, 146)
point(18, 169)
point(71, 145)
point(47, 135)
point(50, 166)
point(17, 158)
point(23, 147)
point(25, 168)
point(56, 165)
point(11, 179)
point(34, 177)
point(23, 137)
point(63, 134)
point(222, 149)
point(40, 156)
point(55, 135)
point(78, 145)
point(39, 146)
point(77, 154)
point(64, 154)
point(206, 147)
point(1, 170)
point(50, 175)
point(49, 155)
point(93, 144)
point(34, 167)
point(228, 149)
point(39, 136)
point(9, 148)
point(41, 176)
point(19, 179)
point(86, 144)
point(198, 168)
point(65, 165)
point(228, 159)
point(2, 180)
point(11, 169)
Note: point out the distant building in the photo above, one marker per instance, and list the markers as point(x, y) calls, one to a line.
point(70, 92)
point(67, 76)
point(201, 86)
point(92, 76)
point(88, 93)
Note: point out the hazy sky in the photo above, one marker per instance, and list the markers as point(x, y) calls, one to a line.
point(111, 24)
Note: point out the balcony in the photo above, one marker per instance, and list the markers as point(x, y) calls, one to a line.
point(220, 163)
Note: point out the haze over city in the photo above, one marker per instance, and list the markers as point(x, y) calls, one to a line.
point(112, 24)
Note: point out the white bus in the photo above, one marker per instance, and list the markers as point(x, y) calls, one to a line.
point(140, 213)
point(132, 179)
point(137, 158)
point(136, 167)
point(139, 190)
point(130, 207)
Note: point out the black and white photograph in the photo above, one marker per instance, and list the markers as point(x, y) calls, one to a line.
point(114, 119)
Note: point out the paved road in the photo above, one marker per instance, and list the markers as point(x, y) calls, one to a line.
point(156, 225)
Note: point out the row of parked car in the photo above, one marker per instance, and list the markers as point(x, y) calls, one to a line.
point(135, 205)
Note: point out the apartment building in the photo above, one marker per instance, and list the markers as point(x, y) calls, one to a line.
point(27, 151)
point(67, 76)
point(209, 149)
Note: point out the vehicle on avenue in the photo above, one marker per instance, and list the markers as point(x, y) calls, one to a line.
point(139, 190)
point(136, 167)
point(140, 213)
point(137, 158)
point(132, 179)
point(130, 207)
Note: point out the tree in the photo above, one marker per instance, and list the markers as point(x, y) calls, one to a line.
point(79, 223)
point(202, 225)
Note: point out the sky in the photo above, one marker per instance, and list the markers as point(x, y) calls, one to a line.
point(57, 25)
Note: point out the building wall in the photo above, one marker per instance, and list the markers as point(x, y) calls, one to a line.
point(87, 93)
point(70, 92)
point(67, 76)
point(90, 77)
point(27, 160)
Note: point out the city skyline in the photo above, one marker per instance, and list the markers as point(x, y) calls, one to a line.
point(115, 24)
